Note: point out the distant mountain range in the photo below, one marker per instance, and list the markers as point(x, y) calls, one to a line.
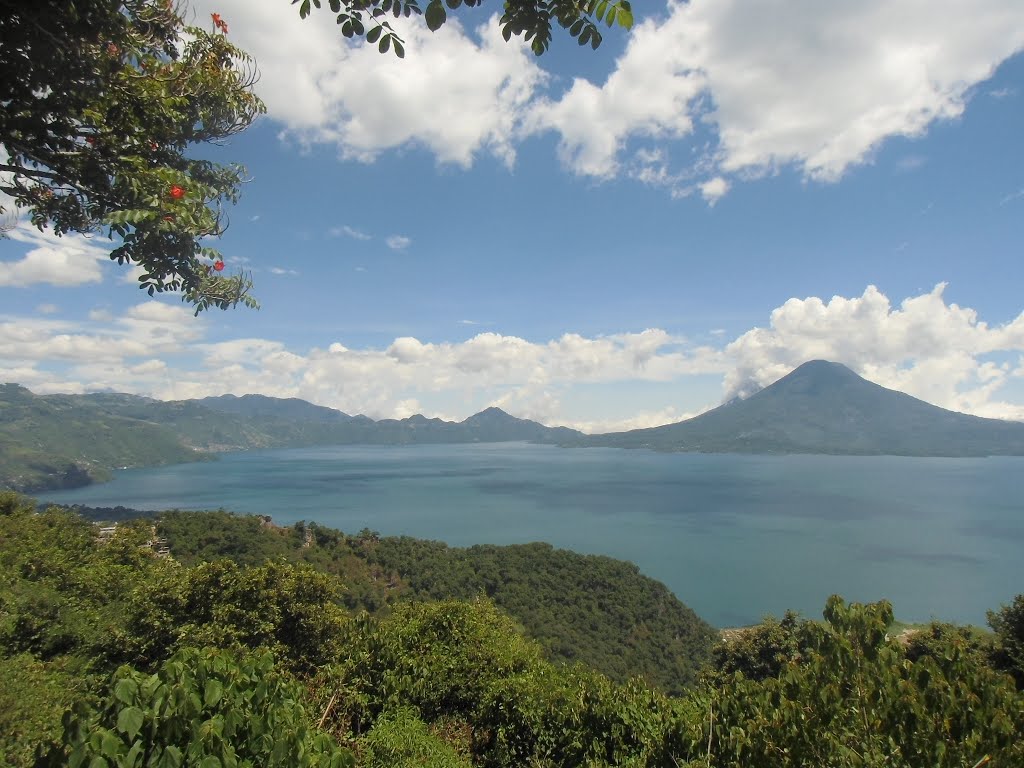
point(824, 407)
point(65, 441)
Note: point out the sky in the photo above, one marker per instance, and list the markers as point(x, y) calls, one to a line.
point(602, 239)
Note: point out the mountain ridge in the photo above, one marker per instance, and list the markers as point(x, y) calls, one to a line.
point(824, 407)
point(64, 441)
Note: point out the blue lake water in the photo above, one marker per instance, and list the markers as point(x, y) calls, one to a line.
point(735, 537)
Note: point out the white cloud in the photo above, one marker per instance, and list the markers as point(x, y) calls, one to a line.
point(649, 94)
point(752, 86)
point(61, 261)
point(348, 231)
point(398, 242)
point(451, 94)
point(282, 271)
point(810, 84)
point(933, 349)
point(640, 420)
point(714, 189)
point(925, 347)
point(47, 309)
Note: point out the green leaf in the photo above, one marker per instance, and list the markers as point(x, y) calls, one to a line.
point(171, 758)
point(212, 693)
point(110, 745)
point(435, 15)
point(399, 49)
point(304, 9)
point(129, 722)
point(210, 761)
point(374, 34)
point(385, 44)
point(625, 15)
point(126, 690)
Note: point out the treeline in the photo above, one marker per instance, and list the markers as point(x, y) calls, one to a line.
point(210, 663)
point(596, 610)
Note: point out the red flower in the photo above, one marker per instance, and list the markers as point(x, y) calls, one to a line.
point(219, 23)
point(218, 265)
point(168, 217)
point(112, 50)
point(154, 146)
point(177, 192)
point(90, 140)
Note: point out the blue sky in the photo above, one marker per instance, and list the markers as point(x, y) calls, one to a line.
point(602, 239)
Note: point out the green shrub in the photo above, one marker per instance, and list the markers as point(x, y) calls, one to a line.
point(206, 708)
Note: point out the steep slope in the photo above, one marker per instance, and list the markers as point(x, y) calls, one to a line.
point(824, 407)
point(63, 442)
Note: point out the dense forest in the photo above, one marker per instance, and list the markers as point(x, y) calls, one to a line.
point(256, 645)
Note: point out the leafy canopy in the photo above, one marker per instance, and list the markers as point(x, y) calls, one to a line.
point(533, 19)
point(103, 99)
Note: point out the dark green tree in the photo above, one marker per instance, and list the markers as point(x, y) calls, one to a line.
point(103, 101)
point(1008, 625)
point(532, 19)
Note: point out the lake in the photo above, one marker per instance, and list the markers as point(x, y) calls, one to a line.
point(734, 536)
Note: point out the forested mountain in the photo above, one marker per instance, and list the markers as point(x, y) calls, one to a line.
point(113, 655)
point(824, 407)
point(64, 441)
point(57, 441)
point(60, 442)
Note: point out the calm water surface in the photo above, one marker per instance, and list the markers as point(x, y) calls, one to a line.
point(733, 536)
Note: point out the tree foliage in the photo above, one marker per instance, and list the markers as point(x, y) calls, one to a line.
point(857, 700)
point(206, 708)
point(287, 679)
point(103, 101)
point(531, 19)
point(1008, 625)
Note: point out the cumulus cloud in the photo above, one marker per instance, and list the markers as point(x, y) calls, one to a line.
point(398, 242)
point(752, 87)
point(713, 189)
point(816, 85)
point(458, 93)
point(936, 350)
point(61, 261)
point(925, 346)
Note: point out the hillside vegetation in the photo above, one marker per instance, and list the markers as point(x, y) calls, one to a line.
point(56, 442)
point(64, 441)
point(162, 662)
point(596, 610)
